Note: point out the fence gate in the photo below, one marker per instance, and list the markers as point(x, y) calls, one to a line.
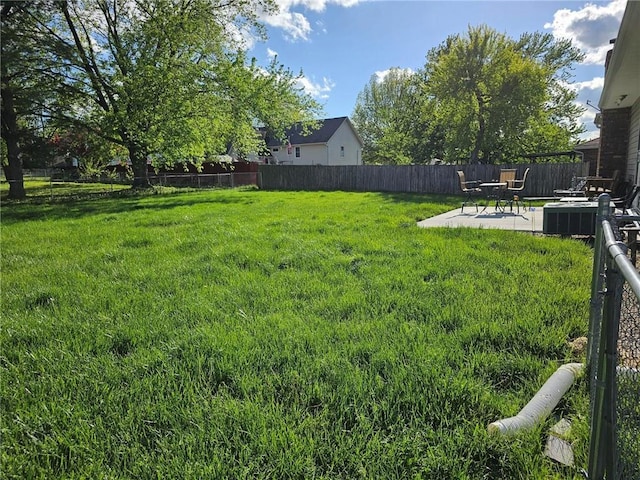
point(613, 359)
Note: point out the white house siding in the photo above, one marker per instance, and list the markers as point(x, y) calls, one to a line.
point(633, 157)
point(329, 153)
point(344, 137)
point(310, 154)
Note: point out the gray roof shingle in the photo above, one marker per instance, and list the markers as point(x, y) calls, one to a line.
point(322, 134)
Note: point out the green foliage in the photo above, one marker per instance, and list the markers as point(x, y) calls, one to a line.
point(25, 87)
point(250, 334)
point(501, 98)
point(3, 152)
point(389, 115)
point(91, 152)
point(160, 78)
point(480, 97)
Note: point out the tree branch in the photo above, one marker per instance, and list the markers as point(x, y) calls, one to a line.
point(95, 82)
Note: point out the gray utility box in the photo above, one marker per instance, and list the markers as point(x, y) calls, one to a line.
point(566, 218)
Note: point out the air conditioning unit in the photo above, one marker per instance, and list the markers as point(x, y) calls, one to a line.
point(564, 218)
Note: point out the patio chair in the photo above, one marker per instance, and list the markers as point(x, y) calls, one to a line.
point(577, 189)
point(469, 188)
point(515, 188)
point(508, 176)
point(626, 202)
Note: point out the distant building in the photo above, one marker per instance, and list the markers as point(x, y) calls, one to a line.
point(334, 142)
point(589, 152)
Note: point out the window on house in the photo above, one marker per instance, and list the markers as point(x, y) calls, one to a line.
point(342, 151)
point(297, 152)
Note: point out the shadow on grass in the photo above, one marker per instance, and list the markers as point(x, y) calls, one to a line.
point(78, 206)
point(420, 198)
point(122, 201)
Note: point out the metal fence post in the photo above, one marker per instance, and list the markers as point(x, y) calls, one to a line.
point(596, 337)
point(603, 445)
point(614, 357)
point(595, 313)
point(612, 302)
point(615, 283)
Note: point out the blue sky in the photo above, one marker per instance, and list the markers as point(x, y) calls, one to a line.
point(340, 44)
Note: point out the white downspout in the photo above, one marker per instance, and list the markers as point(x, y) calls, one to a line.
point(543, 402)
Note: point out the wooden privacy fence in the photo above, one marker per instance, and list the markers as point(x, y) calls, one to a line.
point(542, 180)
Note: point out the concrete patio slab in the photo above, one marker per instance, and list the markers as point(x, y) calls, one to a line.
point(529, 220)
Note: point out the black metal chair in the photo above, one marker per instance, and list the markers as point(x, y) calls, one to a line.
point(625, 202)
point(470, 188)
point(577, 189)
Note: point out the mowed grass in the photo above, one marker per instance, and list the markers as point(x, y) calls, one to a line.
point(250, 334)
point(42, 189)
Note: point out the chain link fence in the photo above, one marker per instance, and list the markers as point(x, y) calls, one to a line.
point(613, 359)
point(198, 180)
point(52, 184)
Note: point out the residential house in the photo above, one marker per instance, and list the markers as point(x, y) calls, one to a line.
point(334, 142)
point(619, 119)
point(589, 152)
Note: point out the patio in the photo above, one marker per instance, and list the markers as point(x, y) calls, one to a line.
point(529, 220)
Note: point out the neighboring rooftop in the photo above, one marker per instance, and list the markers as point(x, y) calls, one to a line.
point(589, 144)
point(294, 135)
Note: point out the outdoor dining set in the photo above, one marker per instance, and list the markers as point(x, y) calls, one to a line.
point(504, 191)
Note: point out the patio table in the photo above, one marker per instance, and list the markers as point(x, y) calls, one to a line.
point(494, 190)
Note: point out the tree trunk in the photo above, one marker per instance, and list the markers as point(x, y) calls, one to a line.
point(475, 153)
point(10, 134)
point(138, 157)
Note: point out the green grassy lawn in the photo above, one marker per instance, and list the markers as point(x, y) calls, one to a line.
point(44, 189)
point(249, 334)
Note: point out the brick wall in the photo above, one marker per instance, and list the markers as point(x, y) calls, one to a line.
point(614, 140)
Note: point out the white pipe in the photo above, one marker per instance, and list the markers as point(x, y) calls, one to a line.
point(543, 402)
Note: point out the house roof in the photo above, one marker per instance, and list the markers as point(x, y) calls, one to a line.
point(295, 135)
point(593, 144)
point(621, 87)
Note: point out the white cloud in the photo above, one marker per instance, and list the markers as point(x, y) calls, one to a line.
point(240, 35)
point(382, 74)
point(294, 24)
point(271, 53)
point(317, 90)
point(594, 84)
point(315, 5)
point(587, 118)
point(590, 28)
point(588, 90)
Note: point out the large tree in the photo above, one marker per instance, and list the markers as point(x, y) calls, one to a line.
point(387, 117)
point(167, 80)
point(499, 97)
point(25, 85)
